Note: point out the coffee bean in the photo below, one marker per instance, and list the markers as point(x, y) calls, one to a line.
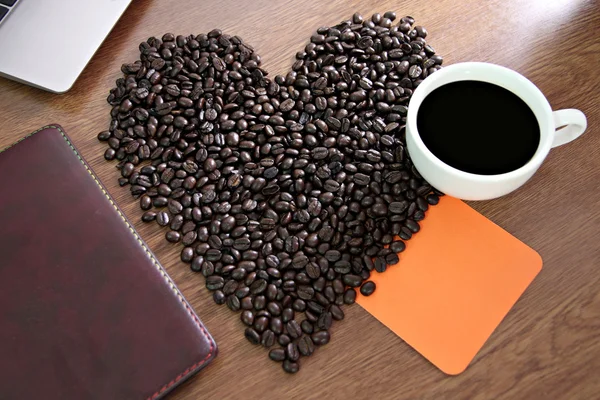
point(247, 317)
point(293, 329)
point(258, 286)
point(324, 321)
point(173, 236)
point(336, 312)
point(313, 270)
point(252, 336)
point(261, 323)
point(233, 302)
point(352, 280)
point(274, 308)
point(320, 338)
point(307, 327)
point(219, 297)
point(277, 354)
point(291, 352)
point(260, 302)
point(276, 325)
point(392, 259)
point(397, 246)
point(306, 346)
point(433, 199)
point(284, 340)
point(367, 288)
point(290, 367)
point(398, 207)
point(215, 282)
point(349, 296)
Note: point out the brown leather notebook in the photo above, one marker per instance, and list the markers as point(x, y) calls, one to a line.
point(86, 310)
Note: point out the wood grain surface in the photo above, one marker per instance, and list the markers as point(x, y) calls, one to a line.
point(548, 347)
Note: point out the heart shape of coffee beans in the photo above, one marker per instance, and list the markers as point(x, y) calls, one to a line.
point(286, 193)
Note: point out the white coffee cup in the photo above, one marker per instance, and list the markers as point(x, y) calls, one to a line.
point(468, 186)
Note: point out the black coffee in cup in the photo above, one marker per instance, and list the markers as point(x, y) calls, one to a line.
point(478, 127)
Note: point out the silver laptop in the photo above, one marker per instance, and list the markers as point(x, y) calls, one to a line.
point(47, 43)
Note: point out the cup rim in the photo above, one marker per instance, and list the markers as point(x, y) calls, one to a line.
point(423, 90)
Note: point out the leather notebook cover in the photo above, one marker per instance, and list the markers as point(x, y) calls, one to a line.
point(86, 310)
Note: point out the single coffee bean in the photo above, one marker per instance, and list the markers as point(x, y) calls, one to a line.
point(320, 338)
point(352, 280)
point(247, 317)
point(307, 327)
point(233, 303)
point(367, 288)
point(276, 325)
point(267, 338)
point(187, 254)
point(162, 218)
point(277, 354)
point(325, 320)
point(173, 236)
point(299, 305)
point(336, 312)
point(306, 346)
point(290, 367)
point(219, 297)
point(397, 246)
point(291, 352)
point(261, 323)
point(349, 296)
point(284, 340)
point(252, 336)
point(246, 303)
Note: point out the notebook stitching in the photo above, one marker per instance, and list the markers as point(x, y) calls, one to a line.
point(166, 277)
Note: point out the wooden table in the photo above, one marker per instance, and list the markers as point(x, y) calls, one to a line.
point(548, 347)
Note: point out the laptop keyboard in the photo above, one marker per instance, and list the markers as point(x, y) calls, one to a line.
point(5, 7)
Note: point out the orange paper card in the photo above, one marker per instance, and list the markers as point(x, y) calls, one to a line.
point(456, 280)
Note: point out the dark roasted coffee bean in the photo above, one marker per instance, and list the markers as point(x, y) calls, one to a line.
point(219, 297)
point(215, 282)
point(307, 327)
point(324, 321)
point(162, 218)
point(187, 254)
point(305, 292)
point(284, 340)
point(397, 246)
point(252, 336)
point(260, 302)
point(293, 329)
point(433, 199)
point(352, 280)
point(367, 288)
point(173, 236)
point(320, 338)
point(306, 346)
point(336, 312)
point(291, 352)
point(290, 367)
point(274, 308)
point(261, 323)
point(276, 325)
point(247, 317)
point(350, 296)
point(258, 286)
point(277, 355)
point(233, 302)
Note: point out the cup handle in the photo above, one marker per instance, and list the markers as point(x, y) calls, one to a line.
point(572, 123)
